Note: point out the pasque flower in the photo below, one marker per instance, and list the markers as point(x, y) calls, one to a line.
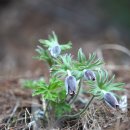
point(111, 100)
point(55, 50)
point(70, 84)
point(89, 75)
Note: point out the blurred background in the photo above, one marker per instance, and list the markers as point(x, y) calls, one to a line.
point(87, 23)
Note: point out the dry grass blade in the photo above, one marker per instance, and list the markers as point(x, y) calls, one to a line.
point(13, 112)
point(112, 46)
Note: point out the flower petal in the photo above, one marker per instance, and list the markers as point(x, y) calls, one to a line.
point(89, 75)
point(55, 50)
point(111, 100)
point(70, 83)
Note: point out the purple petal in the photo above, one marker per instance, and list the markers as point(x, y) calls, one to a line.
point(70, 84)
point(89, 75)
point(111, 100)
point(55, 50)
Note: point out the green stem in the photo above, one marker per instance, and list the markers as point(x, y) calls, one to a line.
point(47, 106)
point(81, 112)
point(47, 111)
point(75, 97)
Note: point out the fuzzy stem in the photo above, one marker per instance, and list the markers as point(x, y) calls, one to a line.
point(69, 73)
point(80, 113)
point(46, 111)
point(75, 97)
point(47, 106)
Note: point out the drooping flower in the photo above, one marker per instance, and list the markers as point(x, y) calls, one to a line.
point(55, 50)
point(70, 84)
point(89, 75)
point(111, 100)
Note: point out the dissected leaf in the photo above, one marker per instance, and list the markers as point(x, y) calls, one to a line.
point(103, 84)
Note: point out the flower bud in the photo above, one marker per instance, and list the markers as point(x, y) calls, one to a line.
point(70, 84)
point(111, 100)
point(89, 75)
point(55, 50)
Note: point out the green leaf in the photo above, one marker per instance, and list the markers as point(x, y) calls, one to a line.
point(62, 108)
point(52, 39)
point(46, 43)
point(51, 91)
point(67, 46)
point(43, 55)
point(50, 96)
point(91, 63)
point(81, 56)
point(39, 92)
point(103, 84)
point(77, 74)
point(62, 64)
point(34, 84)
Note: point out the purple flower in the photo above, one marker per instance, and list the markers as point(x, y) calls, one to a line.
point(89, 75)
point(70, 84)
point(111, 100)
point(55, 50)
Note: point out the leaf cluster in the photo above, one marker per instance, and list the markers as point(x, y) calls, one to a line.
point(62, 64)
point(76, 66)
point(92, 62)
point(103, 84)
point(43, 50)
point(43, 55)
point(54, 91)
point(61, 108)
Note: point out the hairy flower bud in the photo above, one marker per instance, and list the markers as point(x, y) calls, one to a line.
point(89, 75)
point(70, 84)
point(111, 100)
point(55, 50)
